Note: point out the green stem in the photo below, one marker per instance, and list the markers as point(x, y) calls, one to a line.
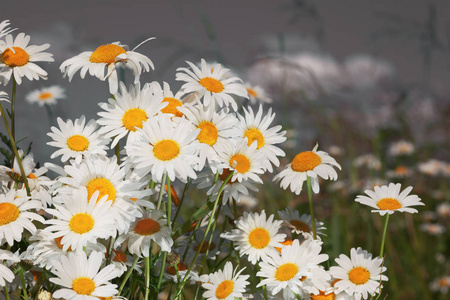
point(6, 291)
point(169, 203)
point(384, 236)
point(311, 207)
point(147, 276)
point(161, 191)
point(127, 275)
point(163, 267)
point(24, 285)
point(13, 110)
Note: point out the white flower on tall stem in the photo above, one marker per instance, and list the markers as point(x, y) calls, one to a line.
point(300, 224)
point(46, 96)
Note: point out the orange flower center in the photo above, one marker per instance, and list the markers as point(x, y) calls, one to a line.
point(305, 161)
point(389, 204)
point(322, 296)
point(166, 150)
point(287, 242)
point(242, 163)
point(83, 286)
point(133, 118)
point(259, 238)
point(171, 108)
point(254, 134)
point(104, 186)
point(359, 275)
point(119, 256)
point(77, 143)
point(181, 267)
point(45, 96)
point(106, 54)
point(17, 59)
point(8, 213)
point(147, 227)
point(252, 92)
point(299, 225)
point(211, 84)
point(286, 272)
point(224, 289)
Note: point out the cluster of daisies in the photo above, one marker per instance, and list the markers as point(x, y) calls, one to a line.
point(110, 226)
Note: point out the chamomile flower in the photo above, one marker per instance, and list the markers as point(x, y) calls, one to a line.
point(172, 102)
point(76, 139)
point(212, 84)
point(105, 58)
point(299, 224)
point(6, 275)
point(256, 236)
point(256, 128)
point(4, 29)
point(16, 215)
point(401, 148)
point(388, 199)
point(313, 164)
point(81, 219)
point(359, 275)
point(128, 111)
point(46, 96)
point(18, 59)
point(225, 285)
point(81, 278)
point(165, 147)
point(257, 94)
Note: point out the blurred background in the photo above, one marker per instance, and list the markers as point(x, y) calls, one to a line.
point(368, 80)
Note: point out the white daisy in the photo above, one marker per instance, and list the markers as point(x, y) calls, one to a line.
point(81, 220)
point(224, 285)
point(165, 147)
point(388, 199)
point(211, 84)
point(77, 139)
point(256, 128)
point(299, 224)
point(80, 277)
point(359, 275)
point(15, 216)
point(4, 29)
point(46, 96)
point(18, 59)
point(106, 57)
point(400, 148)
point(128, 111)
point(5, 273)
point(311, 164)
point(256, 236)
point(174, 102)
point(257, 94)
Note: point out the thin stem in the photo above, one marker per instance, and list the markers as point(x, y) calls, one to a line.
point(109, 251)
point(6, 291)
point(169, 203)
point(13, 110)
point(49, 114)
point(127, 275)
point(147, 276)
point(161, 191)
point(24, 285)
point(384, 236)
point(311, 207)
point(186, 186)
point(163, 266)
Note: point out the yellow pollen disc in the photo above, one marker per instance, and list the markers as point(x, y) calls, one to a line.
point(17, 59)
point(208, 133)
point(242, 163)
point(322, 296)
point(211, 84)
point(8, 213)
point(83, 285)
point(305, 161)
point(45, 96)
point(181, 267)
point(147, 227)
point(106, 54)
point(133, 118)
point(77, 143)
point(104, 186)
point(286, 272)
point(58, 243)
point(205, 247)
point(287, 242)
point(119, 256)
point(401, 170)
point(359, 275)
point(389, 204)
point(224, 289)
point(254, 134)
point(299, 225)
point(259, 238)
point(31, 176)
point(166, 150)
point(81, 223)
point(252, 92)
point(171, 108)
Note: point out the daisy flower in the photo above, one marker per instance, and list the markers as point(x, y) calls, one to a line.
point(224, 285)
point(106, 57)
point(18, 59)
point(359, 275)
point(5, 273)
point(287, 271)
point(4, 29)
point(308, 164)
point(128, 111)
point(80, 277)
point(165, 147)
point(299, 224)
point(46, 96)
point(81, 220)
point(212, 84)
point(440, 284)
point(256, 236)
point(15, 216)
point(256, 128)
point(388, 199)
point(257, 94)
point(174, 102)
point(77, 139)
point(401, 148)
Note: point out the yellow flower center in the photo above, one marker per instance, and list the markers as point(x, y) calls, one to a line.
point(166, 150)
point(83, 285)
point(31, 176)
point(359, 275)
point(305, 161)
point(104, 186)
point(389, 204)
point(133, 118)
point(299, 225)
point(259, 238)
point(208, 133)
point(77, 143)
point(242, 163)
point(286, 272)
point(119, 256)
point(8, 213)
point(171, 108)
point(106, 54)
point(401, 170)
point(17, 59)
point(205, 247)
point(287, 242)
point(254, 134)
point(211, 84)
point(252, 92)
point(45, 96)
point(322, 296)
point(224, 289)
point(58, 243)
point(81, 223)
point(147, 227)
